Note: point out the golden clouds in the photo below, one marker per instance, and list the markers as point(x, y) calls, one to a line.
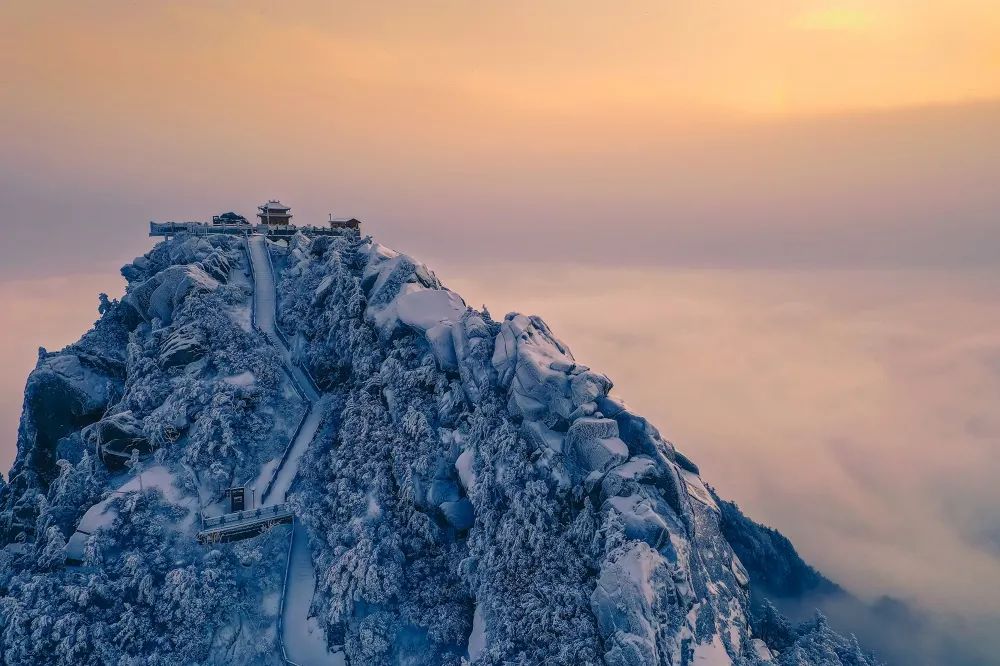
point(852, 19)
point(681, 58)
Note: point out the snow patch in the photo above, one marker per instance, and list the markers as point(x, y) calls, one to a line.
point(761, 650)
point(696, 489)
point(465, 473)
point(712, 654)
point(244, 379)
point(424, 309)
point(102, 515)
point(477, 639)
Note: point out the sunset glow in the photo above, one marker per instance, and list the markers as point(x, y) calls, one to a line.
point(479, 64)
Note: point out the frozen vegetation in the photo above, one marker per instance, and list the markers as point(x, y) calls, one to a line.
point(466, 490)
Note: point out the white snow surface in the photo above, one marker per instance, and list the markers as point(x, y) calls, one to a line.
point(465, 472)
point(264, 294)
point(244, 379)
point(404, 292)
point(712, 653)
point(760, 648)
point(696, 489)
point(287, 472)
point(477, 639)
point(102, 515)
point(625, 595)
point(423, 309)
point(304, 640)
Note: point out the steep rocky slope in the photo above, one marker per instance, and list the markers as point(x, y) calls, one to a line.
point(473, 492)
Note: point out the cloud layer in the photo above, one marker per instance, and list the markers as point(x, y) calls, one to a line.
point(853, 410)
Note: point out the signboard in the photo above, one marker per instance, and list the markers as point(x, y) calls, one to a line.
point(237, 499)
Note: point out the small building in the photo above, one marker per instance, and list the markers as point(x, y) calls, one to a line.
point(274, 213)
point(352, 223)
point(229, 218)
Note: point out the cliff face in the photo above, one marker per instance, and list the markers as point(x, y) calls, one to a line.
point(471, 492)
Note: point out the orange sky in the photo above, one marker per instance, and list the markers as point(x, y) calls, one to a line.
point(461, 69)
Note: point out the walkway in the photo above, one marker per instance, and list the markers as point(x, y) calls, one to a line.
point(243, 524)
point(265, 300)
point(302, 640)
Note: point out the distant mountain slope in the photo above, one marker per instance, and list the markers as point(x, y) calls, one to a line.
point(771, 559)
point(472, 492)
point(782, 583)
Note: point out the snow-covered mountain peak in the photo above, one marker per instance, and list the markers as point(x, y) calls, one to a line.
point(314, 452)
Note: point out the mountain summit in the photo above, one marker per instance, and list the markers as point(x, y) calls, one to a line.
point(312, 452)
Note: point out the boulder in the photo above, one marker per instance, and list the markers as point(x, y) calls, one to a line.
point(625, 478)
point(441, 491)
point(641, 519)
point(183, 346)
point(592, 445)
point(64, 393)
point(685, 463)
point(120, 433)
point(160, 295)
point(543, 380)
point(588, 386)
point(459, 513)
point(623, 603)
point(473, 345)
point(641, 436)
point(466, 474)
point(529, 362)
point(217, 265)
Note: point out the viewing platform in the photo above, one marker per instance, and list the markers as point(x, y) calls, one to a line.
point(243, 524)
point(275, 223)
point(274, 232)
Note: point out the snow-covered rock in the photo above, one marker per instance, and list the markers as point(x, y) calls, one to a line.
point(182, 346)
point(160, 295)
point(464, 489)
point(592, 445)
point(625, 604)
point(544, 381)
point(473, 344)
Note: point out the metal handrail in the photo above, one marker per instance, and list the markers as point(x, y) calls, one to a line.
point(284, 594)
point(305, 371)
point(253, 282)
point(274, 277)
point(286, 453)
point(277, 231)
point(294, 380)
point(295, 384)
point(235, 517)
point(281, 334)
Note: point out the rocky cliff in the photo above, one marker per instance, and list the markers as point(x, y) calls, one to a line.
point(472, 493)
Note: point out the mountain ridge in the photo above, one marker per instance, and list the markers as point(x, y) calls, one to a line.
point(472, 492)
